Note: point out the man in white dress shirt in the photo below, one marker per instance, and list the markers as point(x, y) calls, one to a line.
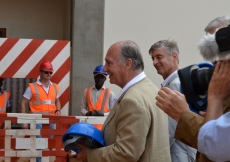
point(214, 135)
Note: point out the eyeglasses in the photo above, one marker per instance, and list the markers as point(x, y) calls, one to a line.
point(46, 72)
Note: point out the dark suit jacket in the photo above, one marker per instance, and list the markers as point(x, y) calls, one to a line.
point(136, 130)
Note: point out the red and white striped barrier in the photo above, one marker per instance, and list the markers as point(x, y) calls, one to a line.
point(22, 143)
point(20, 58)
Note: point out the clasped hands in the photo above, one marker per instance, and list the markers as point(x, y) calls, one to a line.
point(82, 155)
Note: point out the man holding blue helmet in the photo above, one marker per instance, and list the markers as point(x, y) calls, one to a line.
point(85, 133)
point(136, 130)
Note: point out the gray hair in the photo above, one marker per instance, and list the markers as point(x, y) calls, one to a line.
point(169, 46)
point(130, 50)
point(225, 20)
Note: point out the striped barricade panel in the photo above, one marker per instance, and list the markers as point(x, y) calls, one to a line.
point(22, 143)
point(20, 58)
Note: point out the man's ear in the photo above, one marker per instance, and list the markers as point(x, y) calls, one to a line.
point(129, 63)
point(175, 56)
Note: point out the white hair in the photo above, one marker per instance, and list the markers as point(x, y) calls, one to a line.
point(224, 20)
point(209, 48)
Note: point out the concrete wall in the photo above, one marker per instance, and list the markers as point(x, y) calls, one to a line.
point(67, 20)
point(148, 21)
point(42, 19)
point(35, 19)
point(87, 45)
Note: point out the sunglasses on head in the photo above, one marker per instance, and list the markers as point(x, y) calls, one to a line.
point(47, 72)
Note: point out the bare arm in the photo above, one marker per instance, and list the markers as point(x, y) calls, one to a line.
point(24, 101)
point(83, 105)
point(58, 106)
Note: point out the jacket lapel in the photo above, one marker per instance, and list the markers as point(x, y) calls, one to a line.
point(110, 116)
point(116, 107)
point(171, 79)
point(112, 112)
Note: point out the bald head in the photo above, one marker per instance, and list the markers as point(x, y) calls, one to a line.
point(130, 50)
point(123, 62)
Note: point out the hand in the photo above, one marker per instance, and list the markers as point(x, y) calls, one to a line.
point(218, 90)
point(97, 113)
point(71, 154)
point(58, 112)
point(202, 113)
point(219, 86)
point(172, 103)
point(82, 155)
point(89, 113)
point(24, 126)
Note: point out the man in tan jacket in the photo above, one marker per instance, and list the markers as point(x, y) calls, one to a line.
point(136, 130)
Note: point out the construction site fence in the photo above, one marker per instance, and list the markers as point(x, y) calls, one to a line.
point(17, 143)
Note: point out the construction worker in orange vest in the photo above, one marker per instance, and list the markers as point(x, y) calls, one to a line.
point(5, 101)
point(97, 100)
point(42, 96)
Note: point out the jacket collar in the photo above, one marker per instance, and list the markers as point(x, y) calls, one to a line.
point(136, 79)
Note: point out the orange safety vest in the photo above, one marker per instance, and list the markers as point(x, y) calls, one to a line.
point(4, 97)
point(101, 104)
point(41, 102)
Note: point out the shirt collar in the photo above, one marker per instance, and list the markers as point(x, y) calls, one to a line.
point(167, 79)
point(40, 83)
point(130, 83)
point(103, 87)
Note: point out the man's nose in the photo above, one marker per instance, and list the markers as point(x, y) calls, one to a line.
point(155, 62)
point(105, 68)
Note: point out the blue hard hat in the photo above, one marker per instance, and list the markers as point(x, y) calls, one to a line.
point(205, 64)
point(99, 70)
point(84, 133)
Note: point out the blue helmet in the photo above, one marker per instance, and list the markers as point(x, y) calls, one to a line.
point(99, 70)
point(84, 133)
point(205, 64)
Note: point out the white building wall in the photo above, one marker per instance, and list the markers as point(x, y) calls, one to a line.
point(148, 21)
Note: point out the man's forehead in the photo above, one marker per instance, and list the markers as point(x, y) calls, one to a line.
point(110, 58)
point(159, 51)
point(112, 53)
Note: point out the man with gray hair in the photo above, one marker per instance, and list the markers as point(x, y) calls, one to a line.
point(136, 129)
point(190, 123)
point(165, 56)
point(217, 23)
